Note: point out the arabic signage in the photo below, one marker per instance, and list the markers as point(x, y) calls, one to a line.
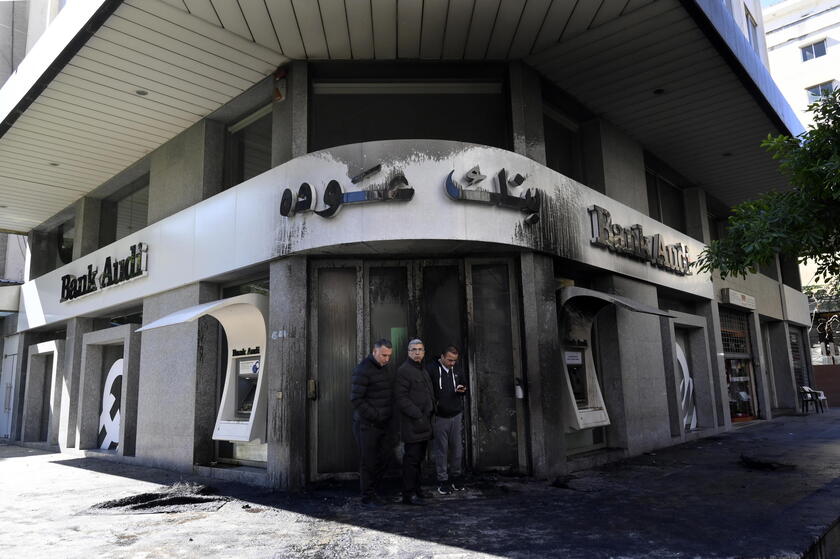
point(114, 272)
point(335, 197)
point(528, 202)
point(632, 242)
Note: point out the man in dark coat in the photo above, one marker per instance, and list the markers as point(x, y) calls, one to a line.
point(413, 396)
point(372, 398)
point(449, 386)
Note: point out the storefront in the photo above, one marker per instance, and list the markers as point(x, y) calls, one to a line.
point(432, 243)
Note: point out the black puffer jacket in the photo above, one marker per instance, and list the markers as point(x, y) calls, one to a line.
point(372, 392)
point(414, 401)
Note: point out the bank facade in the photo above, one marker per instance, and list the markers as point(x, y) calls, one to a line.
point(201, 307)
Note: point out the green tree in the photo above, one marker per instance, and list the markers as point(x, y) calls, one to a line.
point(804, 221)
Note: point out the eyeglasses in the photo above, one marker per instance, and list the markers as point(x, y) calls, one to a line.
point(416, 349)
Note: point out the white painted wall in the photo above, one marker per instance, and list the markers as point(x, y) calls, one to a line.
point(791, 25)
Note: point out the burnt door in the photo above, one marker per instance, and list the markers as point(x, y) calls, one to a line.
point(335, 351)
point(498, 429)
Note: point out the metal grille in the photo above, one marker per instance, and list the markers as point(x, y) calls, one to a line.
point(798, 364)
point(734, 331)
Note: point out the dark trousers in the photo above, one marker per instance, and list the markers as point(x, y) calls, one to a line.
point(374, 455)
point(412, 463)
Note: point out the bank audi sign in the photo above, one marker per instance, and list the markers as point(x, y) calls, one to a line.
point(114, 272)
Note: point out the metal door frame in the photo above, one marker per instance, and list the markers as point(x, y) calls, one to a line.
point(515, 317)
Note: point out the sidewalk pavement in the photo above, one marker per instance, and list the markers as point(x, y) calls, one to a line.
point(770, 489)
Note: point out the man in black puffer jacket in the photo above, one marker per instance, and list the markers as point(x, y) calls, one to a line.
point(372, 398)
point(414, 401)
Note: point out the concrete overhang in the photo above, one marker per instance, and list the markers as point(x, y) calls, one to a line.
point(111, 81)
point(9, 299)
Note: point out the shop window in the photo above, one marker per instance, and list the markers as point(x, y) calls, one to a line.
point(814, 50)
point(384, 102)
point(817, 92)
point(248, 148)
point(665, 201)
point(734, 331)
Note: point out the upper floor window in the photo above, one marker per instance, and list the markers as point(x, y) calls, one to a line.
point(125, 211)
point(248, 147)
point(813, 51)
point(370, 102)
point(665, 201)
point(817, 92)
point(563, 143)
point(752, 29)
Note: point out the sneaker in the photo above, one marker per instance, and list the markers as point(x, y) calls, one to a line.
point(445, 489)
point(456, 486)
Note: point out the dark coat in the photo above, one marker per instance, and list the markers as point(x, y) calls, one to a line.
point(372, 392)
point(414, 400)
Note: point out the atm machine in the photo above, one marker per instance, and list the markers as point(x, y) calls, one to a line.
point(242, 412)
point(584, 401)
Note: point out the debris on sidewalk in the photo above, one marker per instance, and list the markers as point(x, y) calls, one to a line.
point(177, 497)
point(754, 463)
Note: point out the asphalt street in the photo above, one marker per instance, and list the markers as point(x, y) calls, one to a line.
point(770, 489)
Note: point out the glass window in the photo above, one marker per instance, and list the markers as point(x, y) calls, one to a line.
point(816, 92)
point(65, 234)
point(752, 29)
point(389, 110)
point(813, 51)
point(665, 202)
point(563, 151)
point(132, 212)
point(248, 147)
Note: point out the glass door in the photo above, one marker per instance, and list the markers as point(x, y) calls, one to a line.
point(739, 376)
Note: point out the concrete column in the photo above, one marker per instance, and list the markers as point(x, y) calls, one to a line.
point(186, 170)
point(43, 387)
point(614, 164)
point(24, 341)
point(710, 310)
point(526, 112)
point(87, 211)
point(289, 136)
point(287, 373)
point(543, 370)
point(633, 369)
point(177, 382)
point(697, 214)
point(68, 424)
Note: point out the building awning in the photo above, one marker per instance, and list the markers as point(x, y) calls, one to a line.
point(567, 294)
point(110, 81)
point(240, 316)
